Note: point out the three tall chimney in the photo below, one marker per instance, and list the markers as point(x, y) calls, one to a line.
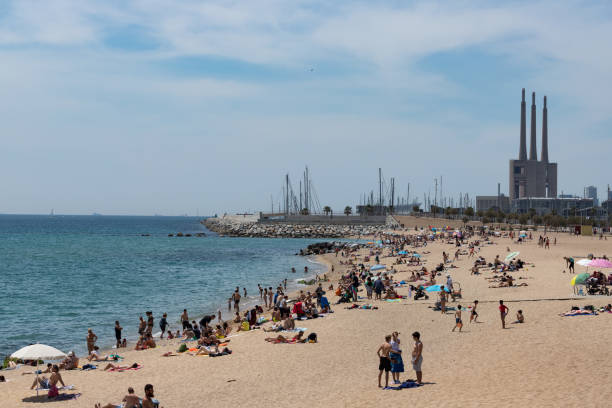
point(523, 149)
point(544, 156)
point(533, 152)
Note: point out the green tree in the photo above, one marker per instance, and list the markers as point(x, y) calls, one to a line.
point(348, 210)
point(416, 209)
point(469, 212)
point(304, 211)
point(369, 209)
point(327, 209)
point(523, 218)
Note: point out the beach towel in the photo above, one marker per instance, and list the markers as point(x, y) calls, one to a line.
point(579, 313)
point(393, 300)
point(297, 329)
point(88, 367)
point(64, 388)
point(405, 384)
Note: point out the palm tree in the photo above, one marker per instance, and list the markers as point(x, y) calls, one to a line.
point(415, 209)
point(348, 210)
point(369, 209)
point(327, 209)
point(304, 211)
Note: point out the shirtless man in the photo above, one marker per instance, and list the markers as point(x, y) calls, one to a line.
point(51, 382)
point(131, 400)
point(384, 360)
point(417, 356)
point(148, 401)
point(236, 299)
point(185, 319)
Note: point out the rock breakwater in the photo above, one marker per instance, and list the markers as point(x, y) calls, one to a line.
point(237, 227)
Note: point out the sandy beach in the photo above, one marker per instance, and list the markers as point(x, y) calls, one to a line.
point(544, 362)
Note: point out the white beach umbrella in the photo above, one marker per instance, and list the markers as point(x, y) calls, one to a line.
point(38, 352)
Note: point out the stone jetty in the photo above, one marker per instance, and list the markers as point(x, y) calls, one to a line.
point(239, 226)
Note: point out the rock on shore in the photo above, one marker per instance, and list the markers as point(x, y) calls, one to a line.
point(248, 227)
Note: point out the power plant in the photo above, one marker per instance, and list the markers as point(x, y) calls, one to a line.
point(530, 177)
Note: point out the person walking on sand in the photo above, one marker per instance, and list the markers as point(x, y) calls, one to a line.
point(458, 321)
point(118, 329)
point(474, 313)
point(384, 360)
point(91, 340)
point(417, 356)
point(503, 311)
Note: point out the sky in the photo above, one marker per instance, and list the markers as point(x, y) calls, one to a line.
point(202, 107)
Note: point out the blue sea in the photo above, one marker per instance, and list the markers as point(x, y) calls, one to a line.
point(60, 275)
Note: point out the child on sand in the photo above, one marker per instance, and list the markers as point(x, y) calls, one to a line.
point(474, 313)
point(503, 311)
point(519, 317)
point(458, 322)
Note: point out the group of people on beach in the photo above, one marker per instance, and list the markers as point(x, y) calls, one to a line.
point(390, 358)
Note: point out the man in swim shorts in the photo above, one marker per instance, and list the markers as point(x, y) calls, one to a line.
point(384, 360)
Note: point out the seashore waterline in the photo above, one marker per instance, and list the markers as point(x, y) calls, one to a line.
point(61, 275)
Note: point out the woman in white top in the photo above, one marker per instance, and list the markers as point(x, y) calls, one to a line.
point(397, 365)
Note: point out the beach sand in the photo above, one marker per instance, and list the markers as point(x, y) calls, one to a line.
point(547, 361)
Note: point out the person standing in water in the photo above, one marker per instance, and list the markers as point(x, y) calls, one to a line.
point(118, 329)
point(91, 340)
point(163, 323)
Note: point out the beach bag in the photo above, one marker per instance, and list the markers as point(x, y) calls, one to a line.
point(312, 338)
point(182, 348)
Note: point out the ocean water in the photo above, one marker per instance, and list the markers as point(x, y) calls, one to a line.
point(61, 275)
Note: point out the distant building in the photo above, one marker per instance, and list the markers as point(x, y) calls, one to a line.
point(591, 192)
point(485, 203)
point(561, 206)
point(528, 176)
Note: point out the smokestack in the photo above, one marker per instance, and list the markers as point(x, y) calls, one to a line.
point(533, 151)
point(544, 157)
point(523, 149)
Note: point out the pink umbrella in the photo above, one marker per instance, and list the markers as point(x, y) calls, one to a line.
point(600, 263)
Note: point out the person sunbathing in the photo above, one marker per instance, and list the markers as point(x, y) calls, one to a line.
point(70, 363)
point(111, 366)
point(131, 400)
point(282, 339)
point(95, 355)
point(391, 294)
point(51, 382)
point(140, 344)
